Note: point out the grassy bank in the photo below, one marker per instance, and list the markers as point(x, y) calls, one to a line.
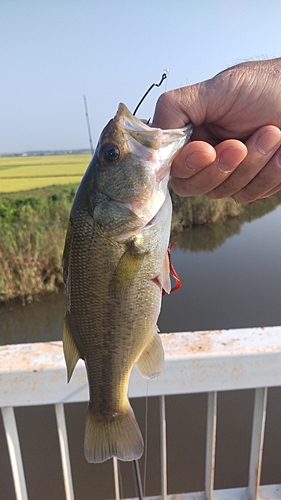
point(33, 226)
point(199, 210)
point(33, 220)
point(32, 232)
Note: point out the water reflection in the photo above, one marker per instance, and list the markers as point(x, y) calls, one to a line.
point(207, 238)
point(211, 236)
point(236, 285)
point(37, 322)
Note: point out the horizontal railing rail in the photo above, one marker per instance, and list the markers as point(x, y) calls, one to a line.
point(207, 361)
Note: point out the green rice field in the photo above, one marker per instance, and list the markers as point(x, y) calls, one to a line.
point(23, 173)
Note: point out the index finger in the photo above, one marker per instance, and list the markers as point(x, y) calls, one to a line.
point(192, 158)
point(168, 112)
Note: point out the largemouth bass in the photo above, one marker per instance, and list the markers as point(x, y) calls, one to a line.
point(115, 267)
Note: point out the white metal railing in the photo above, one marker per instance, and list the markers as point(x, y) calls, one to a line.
point(209, 361)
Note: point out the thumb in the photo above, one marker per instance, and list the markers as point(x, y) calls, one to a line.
point(174, 109)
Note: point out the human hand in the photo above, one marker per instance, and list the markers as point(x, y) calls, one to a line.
point(235, 148)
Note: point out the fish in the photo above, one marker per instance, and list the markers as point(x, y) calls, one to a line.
point(116, 266)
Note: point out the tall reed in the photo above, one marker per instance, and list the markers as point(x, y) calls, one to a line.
point(32, 233)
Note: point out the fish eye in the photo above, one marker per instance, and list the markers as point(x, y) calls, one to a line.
point(110, 153)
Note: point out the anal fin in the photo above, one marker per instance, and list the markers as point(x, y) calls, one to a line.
point(70, 351)
point(151, 361)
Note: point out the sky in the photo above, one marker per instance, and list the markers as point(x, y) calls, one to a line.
point(53, 52)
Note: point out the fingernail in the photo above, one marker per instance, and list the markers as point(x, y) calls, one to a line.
point(225, 162)
point(194, 160)
point(267, 142)
point(191, 161)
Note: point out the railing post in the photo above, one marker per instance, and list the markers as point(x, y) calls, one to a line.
point(257, 442)
point(210, 445)
point(116, 478)
point(65, 460)
point(15, 452)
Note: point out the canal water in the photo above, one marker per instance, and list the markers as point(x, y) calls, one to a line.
point(231, 278)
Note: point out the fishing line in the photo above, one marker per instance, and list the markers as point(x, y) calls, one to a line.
point(163, 77)
point(137, 476)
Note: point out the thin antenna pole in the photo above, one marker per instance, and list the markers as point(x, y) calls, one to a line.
point(88, 125)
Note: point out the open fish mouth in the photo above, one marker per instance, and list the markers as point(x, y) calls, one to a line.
point(154, 149)
point(165, 143)
point(161, 145)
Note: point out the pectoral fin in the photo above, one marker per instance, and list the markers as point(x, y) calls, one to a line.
point(70, 350)
point(151, 361)
point(127, 270)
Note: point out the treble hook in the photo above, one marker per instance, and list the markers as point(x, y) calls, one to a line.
point(163, 77)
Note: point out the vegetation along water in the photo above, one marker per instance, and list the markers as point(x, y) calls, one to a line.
point(36, 193)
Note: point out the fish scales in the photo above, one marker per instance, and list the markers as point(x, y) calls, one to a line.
point(115, 266)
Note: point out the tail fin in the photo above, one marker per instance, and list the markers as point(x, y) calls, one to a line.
point(118, 437)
